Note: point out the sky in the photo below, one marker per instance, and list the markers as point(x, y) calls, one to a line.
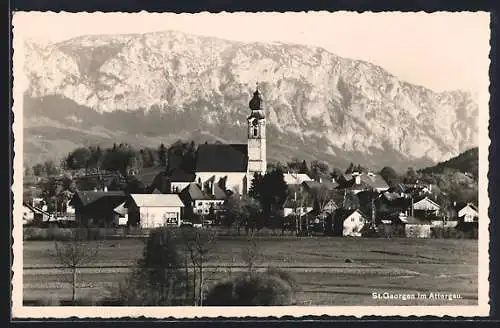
point(441, 51)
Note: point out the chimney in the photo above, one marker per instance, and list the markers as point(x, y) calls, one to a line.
point(212, 187)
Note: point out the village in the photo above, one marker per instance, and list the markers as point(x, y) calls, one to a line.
point(222, 186)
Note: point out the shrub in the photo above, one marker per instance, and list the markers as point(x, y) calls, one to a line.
point(274, 287)
point(446, 233)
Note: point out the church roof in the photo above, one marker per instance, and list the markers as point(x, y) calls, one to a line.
point(222, 158)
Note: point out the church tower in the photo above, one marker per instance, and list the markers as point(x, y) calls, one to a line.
point(256, 136)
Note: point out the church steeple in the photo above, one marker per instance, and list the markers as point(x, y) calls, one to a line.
point(256, 135)
point(256, 104)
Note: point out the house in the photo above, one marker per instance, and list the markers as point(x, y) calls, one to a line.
point(361, 181)
point(311, 185)
point(154, 210)
point(97, 207)
point(425, 207)
point(296, 178)
point(122, 213)
point(348, 222)
point(467, 212)
point(178, 179)
point(236, 164)
point(292, 206)
point(416, 228)
point(205, 198)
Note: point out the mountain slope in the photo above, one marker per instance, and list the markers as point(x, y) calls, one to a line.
point(163, 86)
point(466, 162)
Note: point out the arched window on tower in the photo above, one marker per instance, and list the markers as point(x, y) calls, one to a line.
point(255, 132)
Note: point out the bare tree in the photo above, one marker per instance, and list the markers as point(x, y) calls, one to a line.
point(199, 243)
point(73, 254)
point(251, 254)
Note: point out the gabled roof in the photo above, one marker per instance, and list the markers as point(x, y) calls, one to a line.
point(179, 175)
point(426, 199)
point(414, 220)
point(329, 185)
point(194, 192)
point(461, 206)
point(120, 209)
point(222, 158)
point(341, 214)
point(157, 200)
point(89, 196)
point(296, 178)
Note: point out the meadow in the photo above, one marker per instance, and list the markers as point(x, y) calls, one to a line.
point(329, 270)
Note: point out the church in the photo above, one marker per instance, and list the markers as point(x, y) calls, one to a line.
point(230, 166)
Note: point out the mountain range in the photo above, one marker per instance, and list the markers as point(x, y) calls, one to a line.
point(145, 89)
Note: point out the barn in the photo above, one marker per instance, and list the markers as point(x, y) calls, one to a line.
point(154, 210)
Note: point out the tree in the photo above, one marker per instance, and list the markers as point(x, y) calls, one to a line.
point(255, 190)
point(319, 170)
point(411, 176)
point(38, 170)
point(251, 254)
point(351, 201)
point(161, 267)
point(74, 253)
point(199, 244)
point(162, 155)
point(274, 192)
point(390, 176)
point(242, 211)
point(297, 166)
point(79, 158)
point(50, 168)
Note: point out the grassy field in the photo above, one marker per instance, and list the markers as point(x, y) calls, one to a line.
point(406, 266)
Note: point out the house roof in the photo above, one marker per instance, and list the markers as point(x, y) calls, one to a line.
point(426, 199)
point(179, 175)
point(120, 209)
point(296, 178)
point(461, 206)
point(148, 175)
point(157, 200)
point(89, 196)
point(414, 220)
point(329, 185)
point(341, 214)
point(222, 158)
point(194, 192)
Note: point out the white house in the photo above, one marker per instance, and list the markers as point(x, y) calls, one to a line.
point(350, 223)
point(203, 197)
point(299, 211)
point(154, 210)
point(426, 205)
point(468, 213)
